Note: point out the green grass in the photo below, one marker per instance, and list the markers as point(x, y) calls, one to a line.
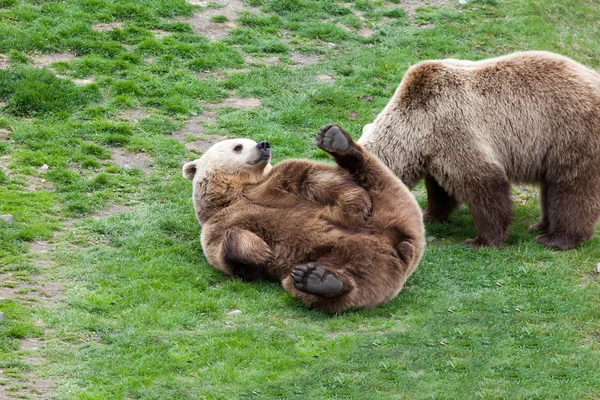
point(144, 316)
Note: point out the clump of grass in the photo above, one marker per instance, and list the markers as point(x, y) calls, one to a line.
point(219, 19)
point(31, 92)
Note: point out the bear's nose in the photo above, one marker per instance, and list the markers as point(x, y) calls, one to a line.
point(263, 146)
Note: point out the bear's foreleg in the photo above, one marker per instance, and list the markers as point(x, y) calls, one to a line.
point(366, 169)
point(440, 204)
point(489, 200)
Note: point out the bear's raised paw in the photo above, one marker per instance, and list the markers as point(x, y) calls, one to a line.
point(334, 139)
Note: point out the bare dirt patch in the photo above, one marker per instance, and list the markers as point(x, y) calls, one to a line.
point(37, 184)
point(44, 60)
point(126, 159)
point(325, 78)
point(159, 34)
point(410, 6)
point(4, 62)
point(215, 31)
point(112, 210)
point(192, 135)
point(133, 115)
point(268, 61)
point(365, 32)
point(39, 247)
point(30, 344)
point(304, 59)
point(111, 26)
point(244, 103)
point(214, 75)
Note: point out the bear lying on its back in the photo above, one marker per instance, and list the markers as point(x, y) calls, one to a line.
point(337, 237)
point(470, 128)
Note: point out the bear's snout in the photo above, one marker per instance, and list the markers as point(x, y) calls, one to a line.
point(264, 146)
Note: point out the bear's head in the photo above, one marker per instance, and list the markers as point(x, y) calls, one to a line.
point(224, 170)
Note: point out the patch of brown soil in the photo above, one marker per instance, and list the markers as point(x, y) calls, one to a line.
point(194, 129)
point(325, 78)
point(244, 103)
point(44, 60)
point(365, 32)
point(30, 344)
point(304, 59)
point(410, 6)
point(215, 31)
point(133, 115)
point(126, 159)
point(159, 34)
point(37, 184)
point(268, 61)
point(111, 26)
point(39, 247)
point(4, 62)
point(208, 74)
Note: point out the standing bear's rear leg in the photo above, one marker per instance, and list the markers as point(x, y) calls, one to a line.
point(572, 213)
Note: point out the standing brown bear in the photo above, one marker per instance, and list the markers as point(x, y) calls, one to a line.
point(470, 128)
point(337, 237)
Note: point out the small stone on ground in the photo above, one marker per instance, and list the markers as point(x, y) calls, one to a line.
point(9, 219)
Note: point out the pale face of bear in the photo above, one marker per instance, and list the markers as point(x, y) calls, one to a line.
point(234, 157)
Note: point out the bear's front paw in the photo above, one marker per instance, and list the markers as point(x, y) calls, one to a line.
point(313, 279)
point(333, 139)
point(477, 243)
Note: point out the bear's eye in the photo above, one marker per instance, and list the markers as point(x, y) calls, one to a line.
point(238, 148)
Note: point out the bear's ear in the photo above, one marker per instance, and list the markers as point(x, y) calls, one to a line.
point(189, 170)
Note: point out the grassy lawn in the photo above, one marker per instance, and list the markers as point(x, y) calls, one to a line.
point(103, 286)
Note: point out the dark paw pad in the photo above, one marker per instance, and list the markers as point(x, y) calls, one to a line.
point(313, 279)
point(333, 139)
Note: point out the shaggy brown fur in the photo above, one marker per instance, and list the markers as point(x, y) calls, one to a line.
point(470, 128)
point(337, 237)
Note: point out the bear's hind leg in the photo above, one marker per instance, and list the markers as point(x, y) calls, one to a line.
point(363, 271)
point(440, 204)
point(573, 211)
point(314, 279)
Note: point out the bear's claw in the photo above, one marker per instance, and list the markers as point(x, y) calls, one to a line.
point(313, 279)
